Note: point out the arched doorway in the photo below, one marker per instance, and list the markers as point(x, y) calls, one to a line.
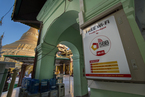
point(64, 30)
point(80, 83)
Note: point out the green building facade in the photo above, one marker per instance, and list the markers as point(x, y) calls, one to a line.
point(62, 21)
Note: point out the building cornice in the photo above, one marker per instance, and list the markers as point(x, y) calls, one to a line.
point(103, 5)
point(48, 9)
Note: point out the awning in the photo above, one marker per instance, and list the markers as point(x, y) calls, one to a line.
point(26, 11)
point(29, 60)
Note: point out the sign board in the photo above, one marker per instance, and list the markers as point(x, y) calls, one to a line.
point(104, 53)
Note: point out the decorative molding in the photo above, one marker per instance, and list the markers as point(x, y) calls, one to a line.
point(106, 4)
point(99, 8)
point(47, 5)
point(99, 4)
point(48, 9)
point(102, 15)
point(128, 6)
point(44, 48)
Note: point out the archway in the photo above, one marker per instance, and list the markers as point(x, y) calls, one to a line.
point(66, 32)
point(59, 25)
point(76, 68)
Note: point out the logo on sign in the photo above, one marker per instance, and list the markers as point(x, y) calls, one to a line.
point(100, 45)
point(97, 27)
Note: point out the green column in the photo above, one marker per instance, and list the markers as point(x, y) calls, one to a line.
point(3, 81)
point(80, 82)
point(45, 62)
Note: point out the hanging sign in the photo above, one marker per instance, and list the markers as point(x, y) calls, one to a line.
point(104, 53)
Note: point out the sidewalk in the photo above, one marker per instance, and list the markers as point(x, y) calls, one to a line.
point(15, 90)
point(14, 94)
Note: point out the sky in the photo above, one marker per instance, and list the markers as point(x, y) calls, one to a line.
point(12, 30)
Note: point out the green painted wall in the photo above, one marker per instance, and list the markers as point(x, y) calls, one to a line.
point(96, 7)
point(54, 9)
